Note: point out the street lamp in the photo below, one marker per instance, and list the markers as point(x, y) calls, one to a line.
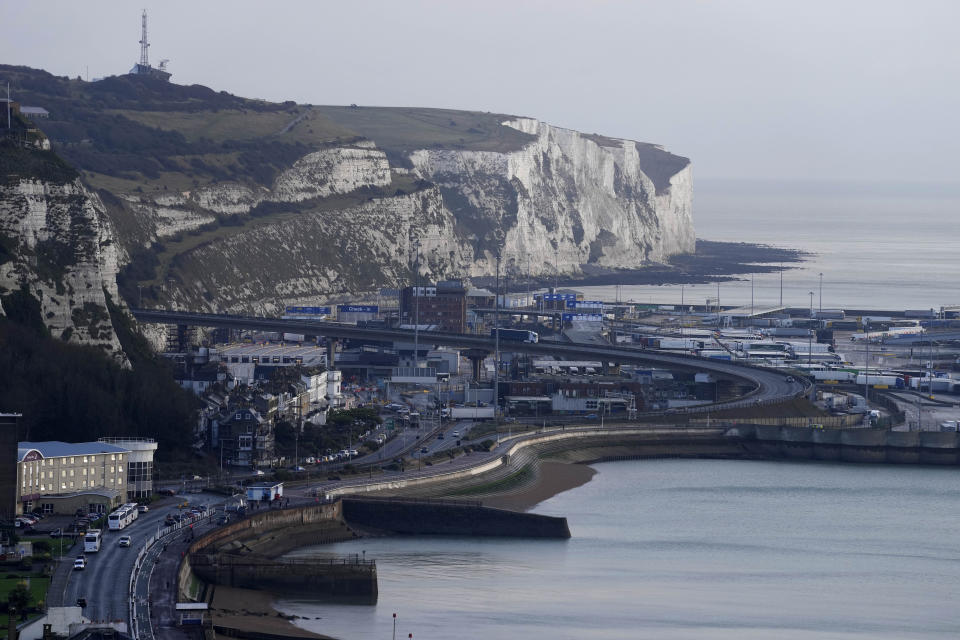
point(810, 333)
point(682, 310)
point(821, 293)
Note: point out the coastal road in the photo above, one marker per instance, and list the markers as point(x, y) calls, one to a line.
point(104, 583)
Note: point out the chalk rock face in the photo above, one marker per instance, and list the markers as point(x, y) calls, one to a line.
point(332, 171)
point(333, 252)
point(227, 198)
point(341, 221)
point(60, 248)
point(566, 200)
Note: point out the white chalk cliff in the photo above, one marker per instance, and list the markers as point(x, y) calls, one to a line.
point(60, 249)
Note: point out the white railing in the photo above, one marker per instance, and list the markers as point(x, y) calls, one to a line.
point(138, 565)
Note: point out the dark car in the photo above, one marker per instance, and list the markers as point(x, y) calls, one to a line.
point(423, 450)
point(167, 492)
point(333, 477)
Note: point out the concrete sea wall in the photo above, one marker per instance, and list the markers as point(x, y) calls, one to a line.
point(420, 517)
point(849, 445)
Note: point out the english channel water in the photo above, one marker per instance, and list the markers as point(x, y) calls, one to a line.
point(878, 246)
point(677, 549)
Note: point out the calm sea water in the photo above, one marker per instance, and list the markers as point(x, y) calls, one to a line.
point(673, 549)
point(877, 245)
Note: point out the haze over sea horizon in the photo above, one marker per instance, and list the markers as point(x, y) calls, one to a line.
point(879, 245)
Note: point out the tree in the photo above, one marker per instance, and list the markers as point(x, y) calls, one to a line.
point(19, 600)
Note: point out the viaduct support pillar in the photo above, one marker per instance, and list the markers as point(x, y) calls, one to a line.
point(331, 353)
point(476, 357)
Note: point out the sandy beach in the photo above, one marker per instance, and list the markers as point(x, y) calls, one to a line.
point(553, 478)
point(252, 611)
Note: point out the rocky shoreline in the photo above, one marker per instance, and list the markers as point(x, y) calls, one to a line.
point(711, 262)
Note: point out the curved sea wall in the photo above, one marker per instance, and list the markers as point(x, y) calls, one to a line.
point(849, 445)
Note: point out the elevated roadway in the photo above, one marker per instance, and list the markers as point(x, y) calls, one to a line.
point(770, 386)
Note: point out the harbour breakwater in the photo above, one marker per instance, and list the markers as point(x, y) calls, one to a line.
point(725, 440)
point(249, 553)
point(849, 445)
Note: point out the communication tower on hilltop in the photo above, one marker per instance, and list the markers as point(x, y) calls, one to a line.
point(143, 67)
point(144, 45)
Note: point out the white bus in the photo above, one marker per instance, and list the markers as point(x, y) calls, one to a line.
point(121, 518)
point(91, 541)
point(134, 512)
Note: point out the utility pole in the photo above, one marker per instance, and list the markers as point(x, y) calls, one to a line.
point(556, 266)
point(496, 356)
point(718, 305)
point(683, 311)
point(781, 285)
point(416, 305)
point(866, 376)
point(821, 293)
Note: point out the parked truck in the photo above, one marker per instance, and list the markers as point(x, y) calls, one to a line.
point(472, 413)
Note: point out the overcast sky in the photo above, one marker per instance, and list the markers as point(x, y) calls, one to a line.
point(862, 90)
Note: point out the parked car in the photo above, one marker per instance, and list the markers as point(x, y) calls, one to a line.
point(259, 472)
point(143, 508)
point(56, 533)
point(167, 492)
point(124, 541)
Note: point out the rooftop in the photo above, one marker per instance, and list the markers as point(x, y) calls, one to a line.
point(57, 449)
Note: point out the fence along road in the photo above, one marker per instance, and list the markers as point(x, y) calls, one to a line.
point(770, 385)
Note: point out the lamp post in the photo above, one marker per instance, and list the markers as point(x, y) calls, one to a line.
point(751, 296)
point(718, 305)
point(810, 333)
point(821, 293)
point(682, 311)
point(781, 285)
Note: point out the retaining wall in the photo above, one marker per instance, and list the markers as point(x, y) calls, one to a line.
point(419, 517)
point(849, 445)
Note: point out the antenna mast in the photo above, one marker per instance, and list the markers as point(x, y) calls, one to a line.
point(144, 59)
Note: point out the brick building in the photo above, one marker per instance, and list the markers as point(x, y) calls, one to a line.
point(443, 305)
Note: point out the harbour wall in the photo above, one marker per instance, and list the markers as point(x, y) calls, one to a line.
point(849, 445)
point(457, 518)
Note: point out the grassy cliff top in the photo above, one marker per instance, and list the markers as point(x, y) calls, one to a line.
point(128, 131)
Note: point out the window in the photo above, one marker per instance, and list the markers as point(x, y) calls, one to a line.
point(113, 456)
point(93, 458)
point(47, 507)
point(84, 459)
